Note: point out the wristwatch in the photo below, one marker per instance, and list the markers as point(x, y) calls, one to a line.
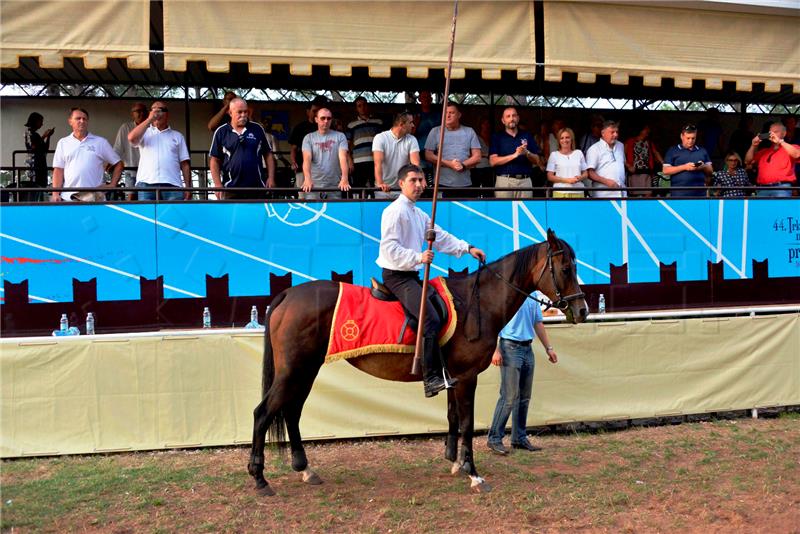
point(548, 348)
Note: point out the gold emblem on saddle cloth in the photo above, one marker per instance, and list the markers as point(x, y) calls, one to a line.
point(350, 330)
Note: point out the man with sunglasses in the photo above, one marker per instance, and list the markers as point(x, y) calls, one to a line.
point(325, 164)
point(689, 165)
point(164, 159)
point(237, 152)
point(775, 163)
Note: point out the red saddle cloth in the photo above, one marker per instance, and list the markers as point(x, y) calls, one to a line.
point(363, 324)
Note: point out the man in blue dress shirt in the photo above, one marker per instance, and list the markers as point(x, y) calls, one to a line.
point(514, 355)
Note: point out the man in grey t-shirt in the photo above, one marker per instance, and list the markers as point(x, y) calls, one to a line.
point(324, 159)
point(460, 152)
point(392, 150)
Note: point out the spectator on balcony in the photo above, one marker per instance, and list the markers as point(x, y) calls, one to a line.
point(461, 151)
point(238, 149)
point(606, 163)
point(164, 158)
point(325, 164)
point(128, 153)
point(513, 153)
point(732, 176)
point(80, 161)
point(740, 138)
point(688, 165)
point(299, 132)
point(566, 168)
point(360, 133)
point(37, 147)
point(555, 127)
point(641, 156)
point(391, 150)
point(593, 135)
point(483, 174)
point(222, 116)
point(775, 163)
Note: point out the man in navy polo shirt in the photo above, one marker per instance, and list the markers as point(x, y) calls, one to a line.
point(237, 151)
point(512, 154)
point(688, 164)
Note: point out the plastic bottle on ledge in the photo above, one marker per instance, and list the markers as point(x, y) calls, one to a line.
point(206, 318)
point(90, 324)
point(63, 326)
point(253, 319)
point(601, 304)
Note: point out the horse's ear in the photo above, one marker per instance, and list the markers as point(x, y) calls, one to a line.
point(552, 239)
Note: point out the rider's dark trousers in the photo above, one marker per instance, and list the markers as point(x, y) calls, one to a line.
point(407, 287)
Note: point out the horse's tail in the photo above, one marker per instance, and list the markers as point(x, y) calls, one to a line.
point(276, 433)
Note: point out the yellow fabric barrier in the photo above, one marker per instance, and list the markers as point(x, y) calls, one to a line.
point(83, 395)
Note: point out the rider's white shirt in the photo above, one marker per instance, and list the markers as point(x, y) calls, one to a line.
point(403, 227)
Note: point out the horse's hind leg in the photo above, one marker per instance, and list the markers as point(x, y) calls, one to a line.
point(262, 420)
point(299, 460)
point(465, 395)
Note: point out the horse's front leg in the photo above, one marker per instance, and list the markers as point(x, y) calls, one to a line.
point(465, 396)
point(451, 441)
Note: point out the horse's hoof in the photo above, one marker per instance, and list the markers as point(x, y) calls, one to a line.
point(264, 490)
point(481, 487)
point(310, 477)
point(455, 468)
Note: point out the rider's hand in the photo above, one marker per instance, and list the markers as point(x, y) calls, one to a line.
point(477, 253)
point(426, 257)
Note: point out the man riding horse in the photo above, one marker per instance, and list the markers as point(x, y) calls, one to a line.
point(403, 227)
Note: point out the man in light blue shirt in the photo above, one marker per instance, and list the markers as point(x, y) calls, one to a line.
point(514, 355)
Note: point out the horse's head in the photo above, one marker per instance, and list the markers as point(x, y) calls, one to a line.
point(558, 279)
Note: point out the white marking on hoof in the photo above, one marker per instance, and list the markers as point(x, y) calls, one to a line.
point(310, 477)
point(455, 468)
point(479, 485)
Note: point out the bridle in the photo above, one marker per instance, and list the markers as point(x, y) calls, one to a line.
point(562, 302)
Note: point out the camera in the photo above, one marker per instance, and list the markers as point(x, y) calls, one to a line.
point(763, 136)
point(698, 163)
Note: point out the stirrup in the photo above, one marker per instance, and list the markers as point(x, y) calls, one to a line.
point(433, 386)
point(449, 382)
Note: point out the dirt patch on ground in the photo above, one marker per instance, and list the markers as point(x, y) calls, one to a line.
point(721, 476)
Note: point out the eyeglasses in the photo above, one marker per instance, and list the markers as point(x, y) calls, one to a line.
point(162, 110)
point(732, 160)
point(325, 118)
point(689, 128)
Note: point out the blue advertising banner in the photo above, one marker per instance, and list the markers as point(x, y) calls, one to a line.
point(49, 245)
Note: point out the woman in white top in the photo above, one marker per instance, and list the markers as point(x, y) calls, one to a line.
point(567, 167)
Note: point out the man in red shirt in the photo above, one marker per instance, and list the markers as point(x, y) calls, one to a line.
point(775, 164)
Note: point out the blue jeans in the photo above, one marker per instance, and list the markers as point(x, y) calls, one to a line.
point(148, 192)
point(780, 190)
point(516, 385)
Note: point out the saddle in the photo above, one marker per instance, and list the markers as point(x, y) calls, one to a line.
point(381, 292)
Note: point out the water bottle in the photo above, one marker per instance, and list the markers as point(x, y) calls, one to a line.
point(206, 318)
point(601, 304)
point(63, 326)
point(253, 319)
point(90, 324)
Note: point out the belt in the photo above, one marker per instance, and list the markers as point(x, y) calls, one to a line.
point(776, 184)
point(526, 343)
point(515, 175)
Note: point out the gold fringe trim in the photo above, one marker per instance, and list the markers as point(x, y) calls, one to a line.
point(369, 349)
point(454, 316)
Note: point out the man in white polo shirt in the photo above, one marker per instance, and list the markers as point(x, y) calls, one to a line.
point(391, 150)
point(80, 160)
point(163, 159)
point(606, 163)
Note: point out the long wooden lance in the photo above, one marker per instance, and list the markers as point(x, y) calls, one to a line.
point(430, 234)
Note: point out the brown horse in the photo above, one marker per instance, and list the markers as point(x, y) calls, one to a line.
point(299, 324)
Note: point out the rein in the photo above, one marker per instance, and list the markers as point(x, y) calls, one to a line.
point(562, 303)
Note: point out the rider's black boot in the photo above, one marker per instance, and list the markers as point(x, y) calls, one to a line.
point(433, 376)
